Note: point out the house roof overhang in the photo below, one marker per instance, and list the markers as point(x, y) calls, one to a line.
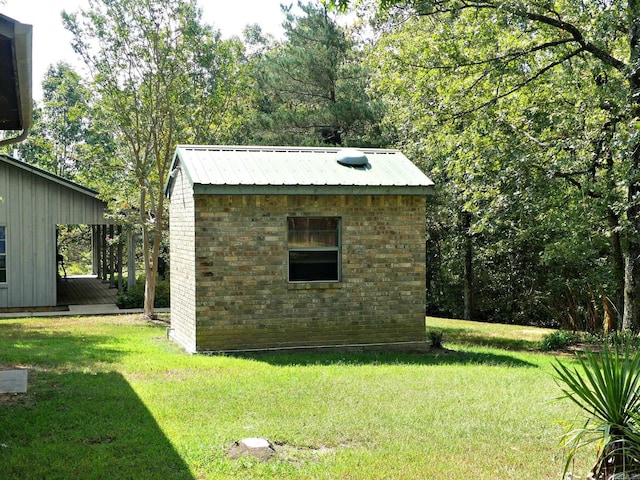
point(199, 189)
point(15, 75)
point(48, 176)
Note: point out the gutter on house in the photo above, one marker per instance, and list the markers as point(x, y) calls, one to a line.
point(18, 139)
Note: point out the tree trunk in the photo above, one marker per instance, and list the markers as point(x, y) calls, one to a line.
point(150, 281)
point(149, 293)
point(628, 315)
point(632, 267)
point(151, 240)
point(468, 267)
point(150, 274)
point(618, 260)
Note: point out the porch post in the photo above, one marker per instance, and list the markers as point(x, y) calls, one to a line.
point(112, 280)
point(119, 258)
point(95, 250)
point(103, 242)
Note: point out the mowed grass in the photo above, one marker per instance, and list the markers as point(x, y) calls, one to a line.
point(111, 397)
point(508, 337)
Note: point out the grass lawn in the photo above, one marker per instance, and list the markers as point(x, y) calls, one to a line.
point(111, 397)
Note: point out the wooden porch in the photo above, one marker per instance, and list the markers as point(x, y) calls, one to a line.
point(85, 290)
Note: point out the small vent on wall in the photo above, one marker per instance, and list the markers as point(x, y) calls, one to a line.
point(350, 157)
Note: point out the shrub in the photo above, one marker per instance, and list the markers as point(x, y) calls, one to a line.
point(134, 298)
point(436, 339)
point(624, 337)
point(559, 339)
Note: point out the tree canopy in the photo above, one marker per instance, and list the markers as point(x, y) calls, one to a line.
point(520, 106)
point(312, 85)
point(162, 77)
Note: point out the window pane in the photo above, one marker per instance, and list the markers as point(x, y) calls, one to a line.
point(313, 232)
point(313, 238)
point(313, 266)
point(3, 276)
point(311, 223)
point(2, 246)
point(2, 237)
point(3, 261)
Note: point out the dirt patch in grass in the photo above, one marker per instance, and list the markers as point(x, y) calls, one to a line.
point(17, 400)
point(300, 454)
point(285, 452)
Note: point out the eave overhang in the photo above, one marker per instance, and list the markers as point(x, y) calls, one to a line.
point(15, 75)
point(309, 190)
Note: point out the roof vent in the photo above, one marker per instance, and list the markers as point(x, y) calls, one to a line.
point(352, 158)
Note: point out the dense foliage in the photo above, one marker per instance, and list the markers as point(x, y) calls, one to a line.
point(311, 87)
point(524, 114)
point(134, 297)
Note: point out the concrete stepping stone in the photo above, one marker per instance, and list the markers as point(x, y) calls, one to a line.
point(258, 448)
point(13, 381)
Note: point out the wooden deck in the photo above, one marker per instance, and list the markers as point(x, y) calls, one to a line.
point(85, 290)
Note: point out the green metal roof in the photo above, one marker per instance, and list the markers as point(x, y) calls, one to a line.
point(297, 170)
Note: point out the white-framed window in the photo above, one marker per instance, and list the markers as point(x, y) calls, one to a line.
point(3, 254)
point(314, 249)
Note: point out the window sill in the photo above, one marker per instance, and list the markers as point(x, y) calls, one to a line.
point(314, 285)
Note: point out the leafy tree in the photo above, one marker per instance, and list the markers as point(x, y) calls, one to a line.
point(538, 90)
point(163, 78)
point(36, 149)
point(538, 214)
point(59, 137)
point(65, 116)
point(312, 86)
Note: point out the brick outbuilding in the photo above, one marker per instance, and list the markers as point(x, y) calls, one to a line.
point(287, 247)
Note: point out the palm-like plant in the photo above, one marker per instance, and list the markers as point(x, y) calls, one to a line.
point(608, 389)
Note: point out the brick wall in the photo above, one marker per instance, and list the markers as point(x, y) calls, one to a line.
point(182, 245)
point(243, 299)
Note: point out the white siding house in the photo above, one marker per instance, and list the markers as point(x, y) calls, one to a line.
point(33, 202)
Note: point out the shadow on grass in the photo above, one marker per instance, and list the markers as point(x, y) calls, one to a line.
point(450, 336)
point(435, 357)
point(76, 421)
point(473, 338)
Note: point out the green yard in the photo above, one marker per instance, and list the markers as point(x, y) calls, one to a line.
point(110, 397)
